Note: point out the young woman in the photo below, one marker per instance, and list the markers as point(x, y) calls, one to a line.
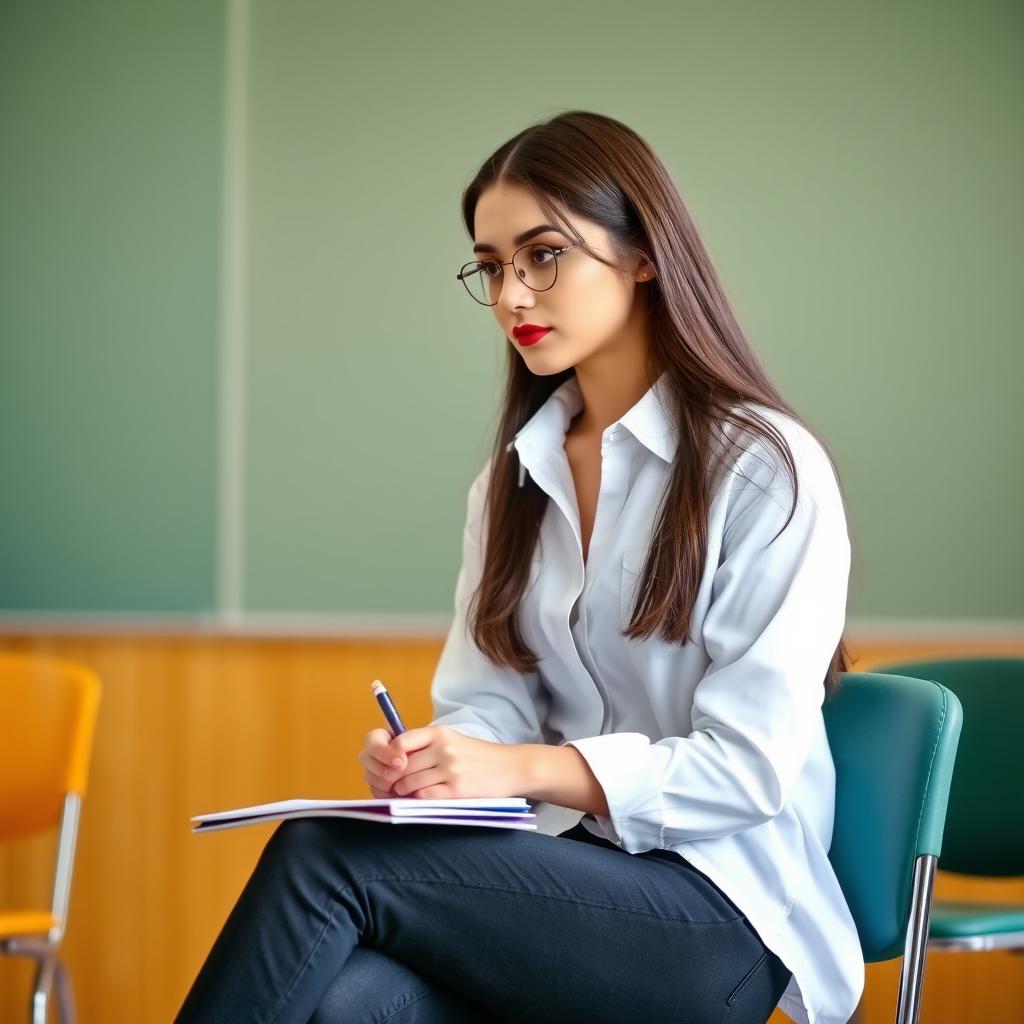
point(649, 616)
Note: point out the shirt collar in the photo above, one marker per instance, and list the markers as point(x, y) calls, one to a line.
point(649, 421)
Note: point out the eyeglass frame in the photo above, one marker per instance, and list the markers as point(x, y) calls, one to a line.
point(556, 252)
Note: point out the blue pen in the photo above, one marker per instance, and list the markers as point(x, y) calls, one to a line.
point(388, 707)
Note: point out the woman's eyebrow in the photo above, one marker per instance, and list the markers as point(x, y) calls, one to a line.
point(519, 239)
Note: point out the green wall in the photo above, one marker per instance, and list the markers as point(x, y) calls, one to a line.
point(110, 126)
point(854, 170)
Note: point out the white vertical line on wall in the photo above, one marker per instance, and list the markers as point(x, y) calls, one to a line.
point(231, 405)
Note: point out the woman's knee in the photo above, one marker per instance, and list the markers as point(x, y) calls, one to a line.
point(342, 848)
point(295, 837)
point(299, 831)
point(299, 847)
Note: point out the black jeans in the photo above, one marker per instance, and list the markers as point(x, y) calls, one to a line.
point(354, 922)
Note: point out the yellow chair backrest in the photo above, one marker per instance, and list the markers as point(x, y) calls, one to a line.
point(47, 720)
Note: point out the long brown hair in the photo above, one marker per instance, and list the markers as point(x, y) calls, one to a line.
point(601, 170)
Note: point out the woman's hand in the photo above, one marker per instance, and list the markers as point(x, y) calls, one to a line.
point(440, 764)
point(377, 758)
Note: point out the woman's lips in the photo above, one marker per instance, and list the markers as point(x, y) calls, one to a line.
point(533, 337)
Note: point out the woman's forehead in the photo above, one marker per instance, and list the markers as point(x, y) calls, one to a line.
point(505, 211)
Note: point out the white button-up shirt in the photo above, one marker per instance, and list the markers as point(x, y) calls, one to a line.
point(715, 749)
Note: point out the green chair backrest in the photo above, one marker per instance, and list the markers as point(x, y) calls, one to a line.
point(985, 821)
point(893, 741)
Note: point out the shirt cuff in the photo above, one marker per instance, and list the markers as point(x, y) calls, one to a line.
point(622, 764)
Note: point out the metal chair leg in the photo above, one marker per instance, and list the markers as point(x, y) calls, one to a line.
point(45, 968)
point(65, 994)
point(908, 1005)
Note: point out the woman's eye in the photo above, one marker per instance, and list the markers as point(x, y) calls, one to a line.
point(489, 268)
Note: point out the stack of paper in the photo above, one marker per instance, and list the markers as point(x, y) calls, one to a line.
point(491, 812)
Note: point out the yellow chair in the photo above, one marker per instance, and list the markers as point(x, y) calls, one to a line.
point(47, 723)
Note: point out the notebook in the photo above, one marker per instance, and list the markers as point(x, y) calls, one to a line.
point(489, 812)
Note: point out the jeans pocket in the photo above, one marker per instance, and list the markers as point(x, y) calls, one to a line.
point(745, 980)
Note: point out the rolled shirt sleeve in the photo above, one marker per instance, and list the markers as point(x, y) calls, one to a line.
point(776, 615)
point(470, 694)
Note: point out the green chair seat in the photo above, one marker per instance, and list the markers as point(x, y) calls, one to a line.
point(966, 920)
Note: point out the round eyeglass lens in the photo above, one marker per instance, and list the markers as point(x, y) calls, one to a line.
point(535, 265)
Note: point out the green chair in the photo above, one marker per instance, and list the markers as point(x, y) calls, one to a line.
point(893, 741)
point(985, 823)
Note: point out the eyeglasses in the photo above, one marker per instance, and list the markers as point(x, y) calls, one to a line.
point(537, 269)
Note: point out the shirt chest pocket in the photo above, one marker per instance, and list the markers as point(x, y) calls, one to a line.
point(653, 647)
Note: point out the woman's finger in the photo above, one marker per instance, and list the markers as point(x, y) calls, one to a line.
point(384, 756)
point(367, 760)
point(375, 780)
point(419, 780)
point(378, 744)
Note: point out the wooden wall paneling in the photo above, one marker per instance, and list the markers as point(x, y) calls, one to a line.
point(190, 724)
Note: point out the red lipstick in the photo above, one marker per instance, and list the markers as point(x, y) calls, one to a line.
point(529, 334)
